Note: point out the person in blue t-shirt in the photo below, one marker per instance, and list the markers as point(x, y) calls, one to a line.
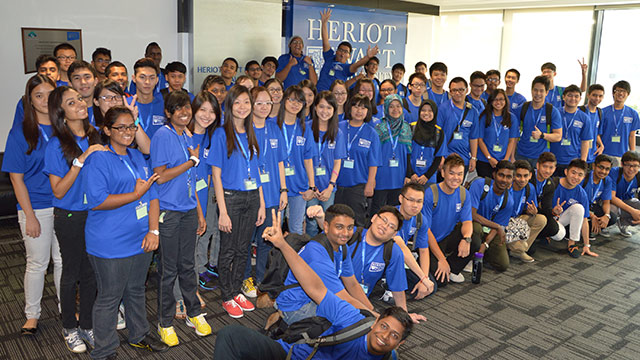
point(438, 74)
point(269, 64)
point(117, 72)
point(357, 178)
point(511, 79)
point(339, 90)
point(66, 54)
point(397, 73)
point(428, 147)
point(459, 121)
point(545, 187)
point(576, 131)
point(367, 88)
point(491, 215)
point(175, 159)
point(310, 92)
point(253, 70)
point(418, 86)
point(624, 196)
point(331, 145)
point(554, 96)
point(24, 160)
point(294, 66)
point(370, 70)
point(153, 52)
point(477, 82)
point(595, 95)
point(83, 79)
point(176, 74)
point(121, 234)
point(619, 124)
point(298, 167)
point(537, 130)
point(571, 207)
point(395, 154)
point(387, 333)
point(598, 186)
point(74, 140)
point(216, 86)
point(451, 239)
point(274, 87)
point(499, 134)
point(412, 238)
point(150, 107)
point(387, 87)
point(336, 65)
point(492, 78)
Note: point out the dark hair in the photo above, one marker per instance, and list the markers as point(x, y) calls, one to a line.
point(306, 83)
point(541, 80)
point(112, 115)
point(630, 156)
point(210, 80)
point(271, 81)
point(437, 66)
point(412, 185)
point(70, 148)
point(229, 128)
point(232, 59)
point(374, 59)
point(602, 158)
point(418, 75)
point(30, 125)
point(578, 164)
point(622, 84)
point(46, 58)
point(357, 99)
point(477, 75)
point(105, 84)
point(547, 157)
point(515, 72)
point(338, 210)
point(175, 66)
point(332, 127)
point(145, 62)
point(458, 79)
point(150, 45)
point(504, 164)
point(242, 78)
point(251, 62)
point(81, 64)
point(107, 70)
point(523, 164)
point(398, 66)
point(269, 59)
point(402, 316)
point(347, 44)
point(356, 90)
point(296, 91)
point(453, 160)
point(572, 89)
point(493, 72)
point(199, 100)
point(174, 100)
point(392, 210)
point(337, 82)
point(548, 66)
point(488, 110)
point(101, 51)
point(594, 87)
point(390, 81)
point(64, 46)
point(420, 63)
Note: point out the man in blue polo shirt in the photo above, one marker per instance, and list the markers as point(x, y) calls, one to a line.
point(624, 196)
point(83, 79)
point(594, 98)
point(438, 73)
point(554, 96)
point(153, 52)
point(477, 82)
point(598, 186)
point(511, 79)
point(150, 107)
point(619, 124)
point(491, 208)
point(336, 66)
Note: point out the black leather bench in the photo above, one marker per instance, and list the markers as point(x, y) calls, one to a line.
point(8, 199)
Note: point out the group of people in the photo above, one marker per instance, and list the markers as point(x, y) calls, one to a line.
point(397, 187)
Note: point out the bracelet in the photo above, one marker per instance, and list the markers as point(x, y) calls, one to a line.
point(608, 215)
point(474, 158)
point(334, 173)
point(195, 160)
point(284, 190)
point(486, 245)
point(333, 183)
point(424, 277)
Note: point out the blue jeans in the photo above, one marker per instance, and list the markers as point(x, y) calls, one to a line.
point(296, 213)
point(312, 224)
point(210, 240)
point(531, 161)
point(262, 253)
point(306, 311)
point(119, 279)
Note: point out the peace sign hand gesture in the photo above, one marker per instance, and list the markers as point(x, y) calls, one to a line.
point(583, 65)
point(558, 209)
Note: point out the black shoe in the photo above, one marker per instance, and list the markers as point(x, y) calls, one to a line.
point(151, 344)
point(112, 356)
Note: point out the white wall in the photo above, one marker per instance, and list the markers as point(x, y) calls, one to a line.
point(125, 27)
point(419, 41)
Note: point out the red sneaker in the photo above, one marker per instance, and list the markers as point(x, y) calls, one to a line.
point(233, 309)
point(244, 304)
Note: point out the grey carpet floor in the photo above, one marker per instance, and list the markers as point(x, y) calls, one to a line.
point(554, 308)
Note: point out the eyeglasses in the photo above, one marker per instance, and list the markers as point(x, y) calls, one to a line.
point(255, 69)
point(296, 101)
point(262, 103)
point(602, 167)
point(124, 128)
point(415, 201)
point(274, 90)
point(150, 78)
point(461, 90)
point(477, 85)
point(111, 98)
point(66, 58)
point(493, 80)
point(345, 51)
point(296, 42)
point(218, 91)
point(417, 85)
point(635, 166)
point(386, 90)
point(387, 223)
point(102, 61)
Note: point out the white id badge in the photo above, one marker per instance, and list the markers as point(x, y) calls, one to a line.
point(141, 211)
point(331, 72)
point(565, 142)
point(250, 184)
point(615, 139)
point(201, 184)
point(421, 163)
point(533, 140)
point(264, 177)
point(457, 135)
point(289, 171)
point(348, 164)
point(321, 171)
point(497, 148)
point(365, 288)
point(486, 230)
point(393, 163)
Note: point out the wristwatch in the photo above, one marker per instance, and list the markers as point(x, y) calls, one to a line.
point(155, 232)
point(542, 135)
point(467, 239)
point(588, 245)
point(608, 215)
point(332, 183)
point(195, 160)
point(77, 163)
point(313, 188)
point(284, 190)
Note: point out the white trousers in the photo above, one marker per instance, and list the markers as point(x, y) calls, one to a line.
point(573, 217)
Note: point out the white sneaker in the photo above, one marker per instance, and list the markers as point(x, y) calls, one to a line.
point(388, 297)
point(73, 341)
point(122, 323)
point(469, 267)
point(456, 278)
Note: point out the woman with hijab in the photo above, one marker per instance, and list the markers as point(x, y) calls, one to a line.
point(428, 145)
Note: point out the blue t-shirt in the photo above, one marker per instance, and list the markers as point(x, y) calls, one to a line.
point(485, 96)
point(162, 84)
point(272, 151)
point(56, 164)
point(297, 73)
point(409, 228)
point(554, 97)
point(116, 233)
point(368, 265)
point(496, 137)
point(468, 128)
point(331, 71)
point(520, 199)
point(170, 149)
point(577, 195)
point(151, 115)
point(234, 170)
point(447, 214)
point(528, 146)
point(329, 271)
point(203, 171)
point(326, 153)
point(576, 128)
point(624, 190)
point(477, 104)
point(31, 166)
point(413, 115)
point(439, 99)
point(618, 123)
point(393, 168)
point(402, 90)
point(601, 191)
point(594, 123)
point(299, 147)
point(516, 100)
point(490, 207)
point(423, 156)
point(363, 148)
point(341, 314)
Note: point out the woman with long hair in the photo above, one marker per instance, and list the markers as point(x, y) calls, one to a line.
point(500, 133)
point(339, 90)
point(310, 92)
point(276, 90)
point(428, 148)
point(74, 140)
point(239, 194)
point(24, 161)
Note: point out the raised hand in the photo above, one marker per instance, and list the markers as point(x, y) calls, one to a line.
point(194, 152)
point(273, 233)
point(142, 186)
point(315, 211)
point(292, 61)
point(536, 133)
point(133, 107)
point(325, 15)
point(372, 51)
point(558, 209)
point(583, 65)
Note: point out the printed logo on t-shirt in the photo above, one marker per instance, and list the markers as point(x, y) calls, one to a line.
point(205, 153)
point(331, 145)
point(158, 120)
point(274, 143)
point(627, 119)
point(300, 140)
point(376, 267)
point(146, 171)
point(458, 207)
point(337, 66)
point(364, 143)
point(466, 123)
point(578, 124)
point(571, 202)
point(514, 105)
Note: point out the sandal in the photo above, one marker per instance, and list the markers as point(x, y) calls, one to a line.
point(574, 251)
point(181, 312)
point(29, 331)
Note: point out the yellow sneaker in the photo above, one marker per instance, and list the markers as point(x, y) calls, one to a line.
point(200, 324)
point(168, 335)
point(248, 289)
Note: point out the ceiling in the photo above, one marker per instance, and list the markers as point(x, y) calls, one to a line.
point(460, 5)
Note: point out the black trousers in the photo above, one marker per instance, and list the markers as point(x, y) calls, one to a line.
point(382, 198)
point(353, 197)
point(235, 342)
point(449, 247)
point(484, 169)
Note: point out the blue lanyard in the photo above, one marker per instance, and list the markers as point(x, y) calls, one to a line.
point(286, 137)
point(404, 235)
point(461, 116)
point(321, 146)
point(542, 189)
point(630, 184)
point(497, 126)
point(615, 118)
point(245, 154)
point(595, 193)
point(184, 150)
point(145, 124)
point(499, 203)
point(421, 151)
point(365, 265)
point(349, 141)
point(44, 134)
point(394, 144)
point(537, 121)
point(263, 158)
point(133, 172)
point(524, 194)
point(565, 133)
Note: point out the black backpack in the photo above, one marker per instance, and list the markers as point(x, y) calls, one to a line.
point(485, 190)
point(435, 192)
point(277, 267)
point(548, 109)
point(467, 107)
point(586, 110)
point(411, 243)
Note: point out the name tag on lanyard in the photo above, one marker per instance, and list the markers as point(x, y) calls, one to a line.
point(250, 184)
point(348, 163)
point(141, 210)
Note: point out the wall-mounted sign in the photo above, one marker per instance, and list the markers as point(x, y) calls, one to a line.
point(38, 41)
